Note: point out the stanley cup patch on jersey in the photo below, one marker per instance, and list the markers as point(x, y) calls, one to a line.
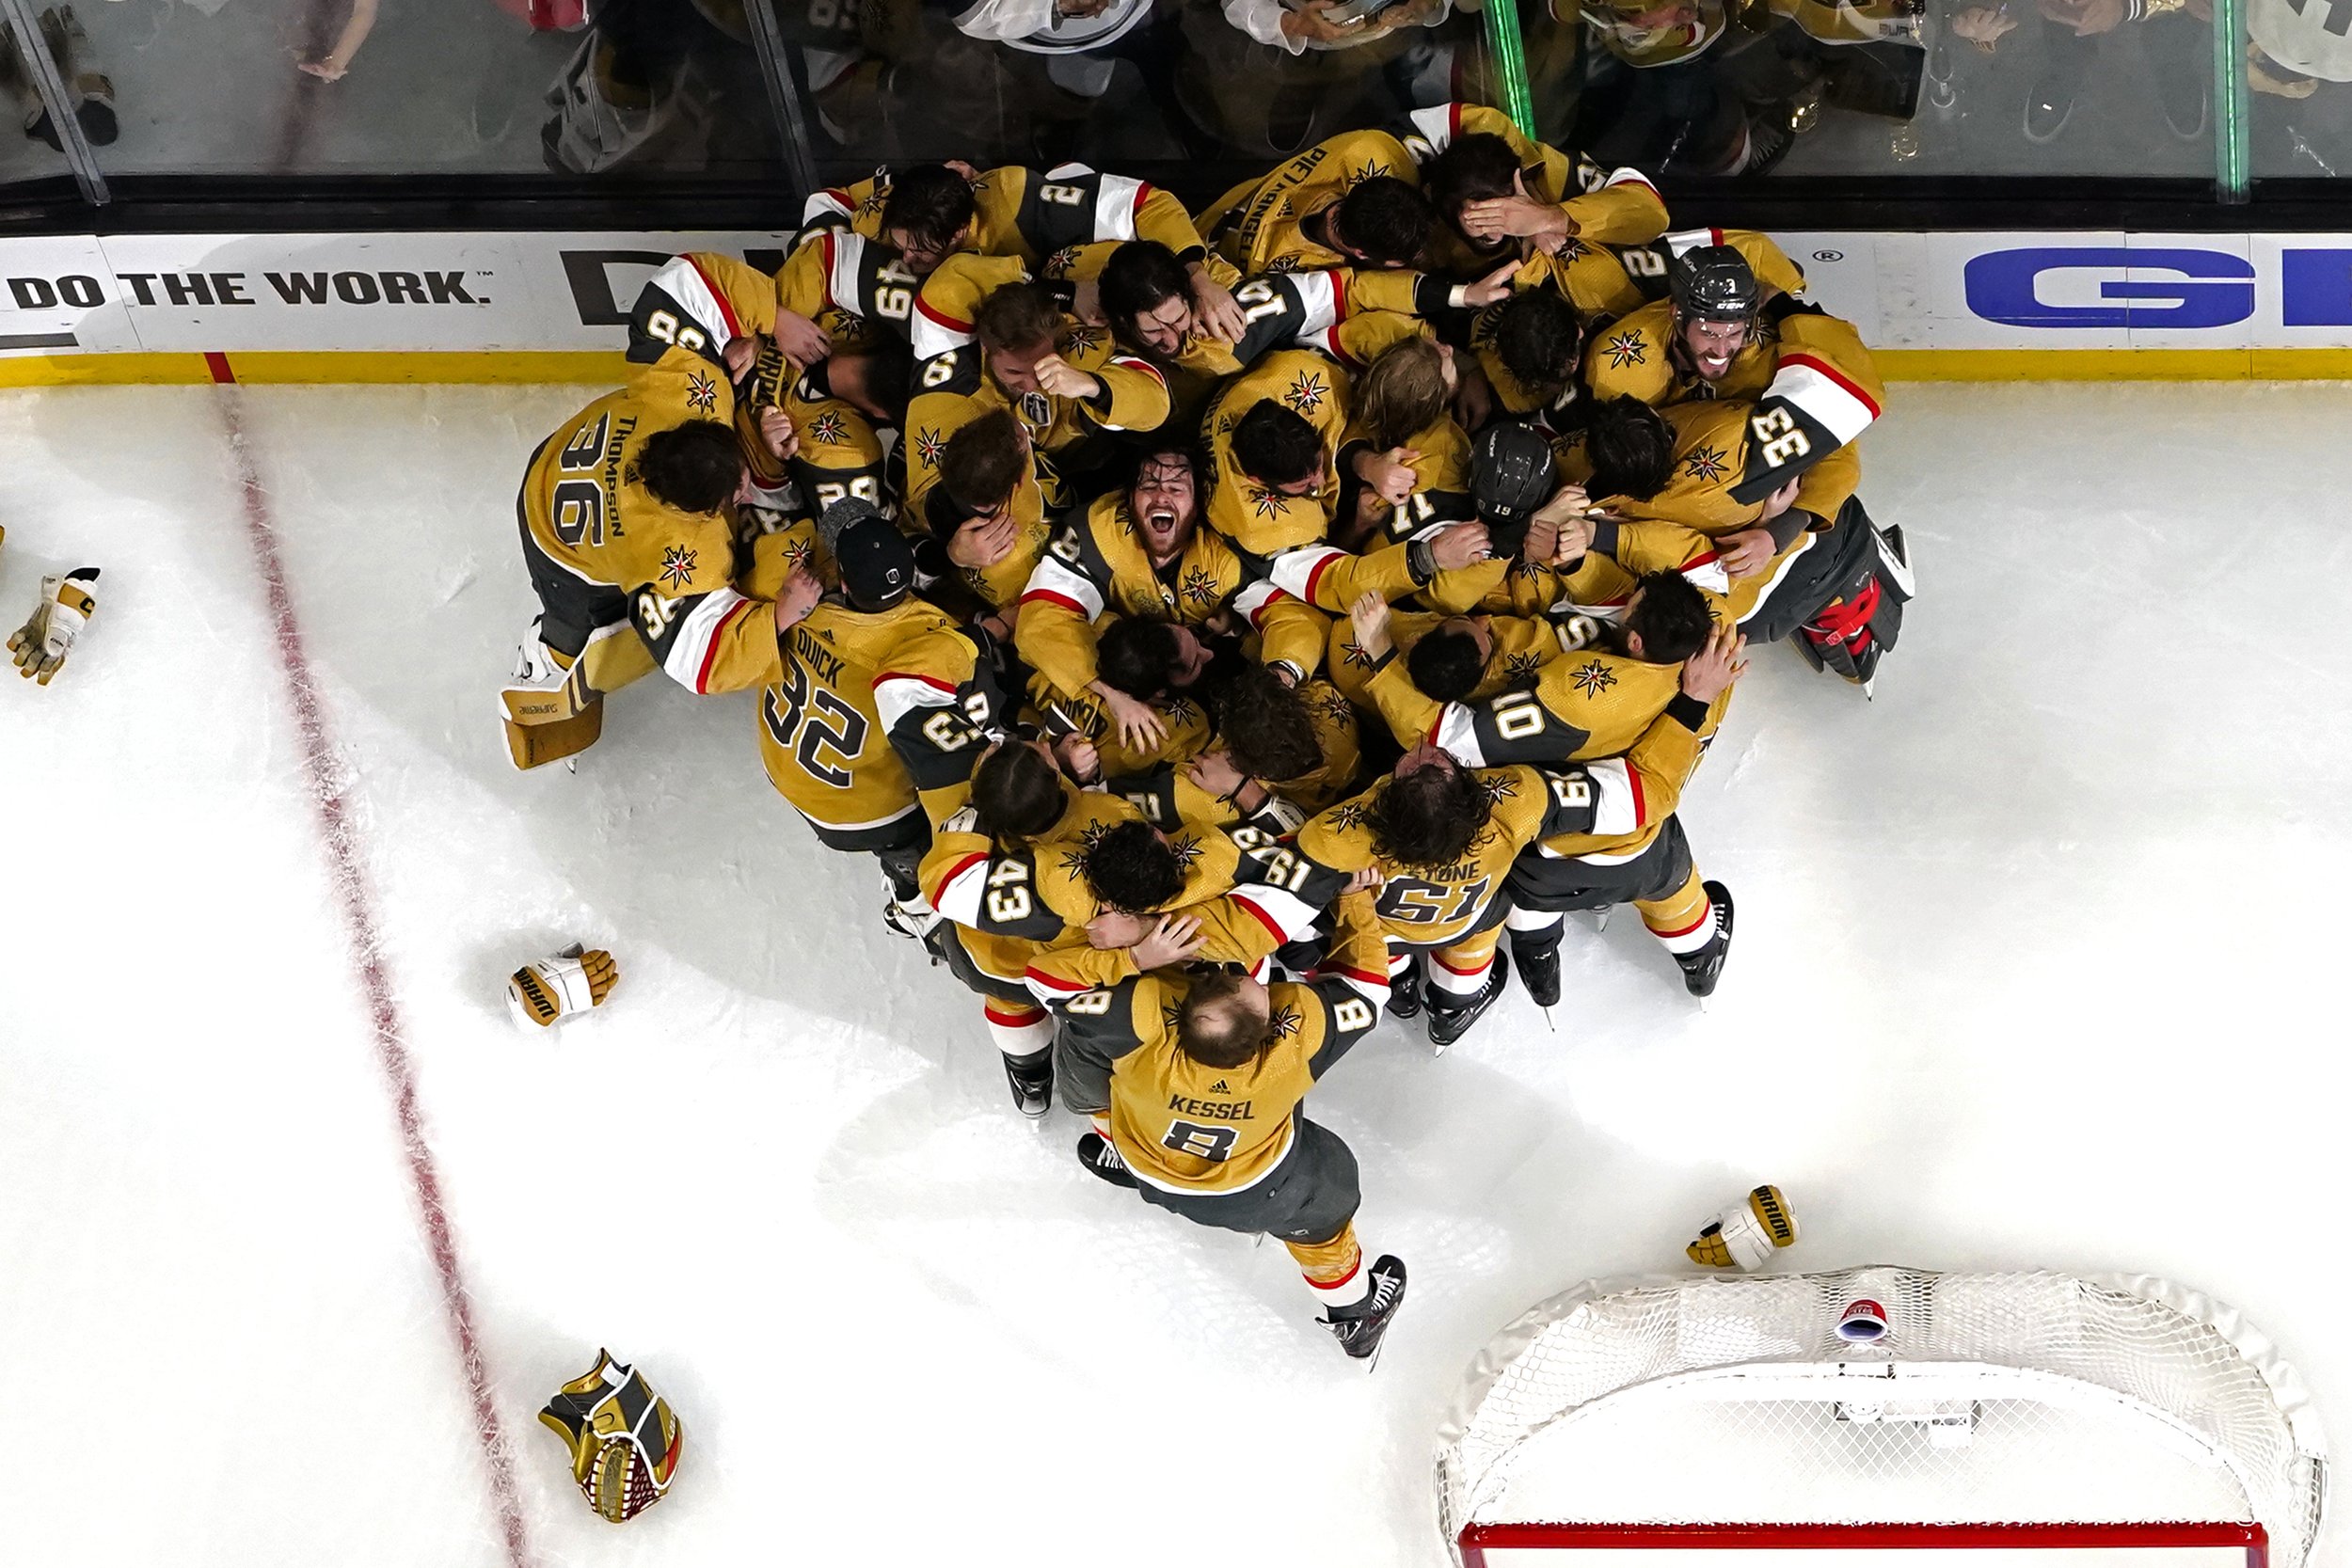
point(623, 1437)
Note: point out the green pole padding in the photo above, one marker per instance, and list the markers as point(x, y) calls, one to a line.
point(2233, 106)
point(1510, 62)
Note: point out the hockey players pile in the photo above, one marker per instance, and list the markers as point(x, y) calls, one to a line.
point(1223, 629)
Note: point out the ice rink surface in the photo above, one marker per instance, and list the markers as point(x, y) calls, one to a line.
point(2037, 965)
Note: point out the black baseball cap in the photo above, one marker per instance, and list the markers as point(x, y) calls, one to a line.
point(876, 561)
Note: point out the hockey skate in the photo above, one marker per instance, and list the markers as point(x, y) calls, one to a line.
point(1360, 1328)
point(1404, 993)
point(1539, 969)
point(1702, 969)
point(1032, 1081)
point(1451, 1017)
point(1100, 1159)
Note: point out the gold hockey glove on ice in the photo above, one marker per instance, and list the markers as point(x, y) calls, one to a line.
point(65, 605)
point(561, 984)
point(625, 1438)
point(1746, 1235)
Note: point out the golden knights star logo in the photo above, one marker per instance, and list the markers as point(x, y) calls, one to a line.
point(1335, 708)
point(929, 444)
point(1283, 1022)
point(800, 555)
point(1354, 657)
point(702, 393)
point(1200, 587)
point(1059, 263)
point(1073, 858)
point(1180, 710)
point(1520, 671)
point(1266, 503)
point(1283, 263)
point(829, 428)
point(1081, 340)
point(1592, 677)
point(1188, 848)
point(1371, 168)
point(1706, 464)
point(1499, 787)
point(1625, 348)
point(1349, 816)
point(1306, 391)
point(678, 566)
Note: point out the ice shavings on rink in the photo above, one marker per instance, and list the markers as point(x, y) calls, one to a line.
point(2033, 968)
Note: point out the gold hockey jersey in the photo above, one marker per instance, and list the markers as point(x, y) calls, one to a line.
point(1028, 904)
point(1523, 645)
point(1260, 521)
point(587, 515)
point(821, 734)
point(1430, 906)
point(1097, 565)
point(1032, 213)
point(1187, 1128)
point(1591, 702)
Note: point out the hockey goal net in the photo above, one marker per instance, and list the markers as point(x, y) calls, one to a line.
point(2019, 1417)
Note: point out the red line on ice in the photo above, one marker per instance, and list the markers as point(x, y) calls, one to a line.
point(340, 838)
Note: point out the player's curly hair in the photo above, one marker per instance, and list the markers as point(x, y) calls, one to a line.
point(1138, 657)
point(1016, 793)
point(1276, 446)
point(1631, 447)
point(1214, 1032)
point(1539, 339)
point(1140, 277)
point(1017, 316)
point(1267, 727)
point(1445, 664)
point(1672, 619)
point(982, 462)
point(930, 202)
point(1401, 393)
point(1478, 167)
point(1384, 220)
point(1428, 818)
point(695, 466)
point(1131, 868)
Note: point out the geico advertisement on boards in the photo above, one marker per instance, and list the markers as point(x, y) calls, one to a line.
point(569, 292)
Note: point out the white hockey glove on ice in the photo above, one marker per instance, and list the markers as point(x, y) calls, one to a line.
point(1746, 1235)
point(43, 642)
point(561, 984)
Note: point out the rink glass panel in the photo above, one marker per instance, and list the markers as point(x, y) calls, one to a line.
point(675, 96)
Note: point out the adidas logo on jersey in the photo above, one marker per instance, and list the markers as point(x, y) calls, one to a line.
point(1218, 1088)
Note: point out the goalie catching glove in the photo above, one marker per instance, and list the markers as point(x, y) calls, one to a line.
point(43, 642)
point(1745, 1236)
point(561, 984)
point(625, 1439)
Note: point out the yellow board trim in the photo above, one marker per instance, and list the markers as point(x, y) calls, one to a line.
point(465, 367)
point(2114, 364)
point(478, 368)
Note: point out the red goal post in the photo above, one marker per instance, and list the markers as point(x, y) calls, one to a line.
point(2021, 1418)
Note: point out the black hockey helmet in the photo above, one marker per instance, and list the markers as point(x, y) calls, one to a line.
point(1512, 473)
point(877, 562)
point(1712, 283)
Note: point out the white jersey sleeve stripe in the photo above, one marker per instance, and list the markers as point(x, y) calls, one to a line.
point(896, 695)
point(1051, 580)
point(1117, 200)
point(683, 281)
point(1456, 735)
point(690, 655)
point(1616, 798)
